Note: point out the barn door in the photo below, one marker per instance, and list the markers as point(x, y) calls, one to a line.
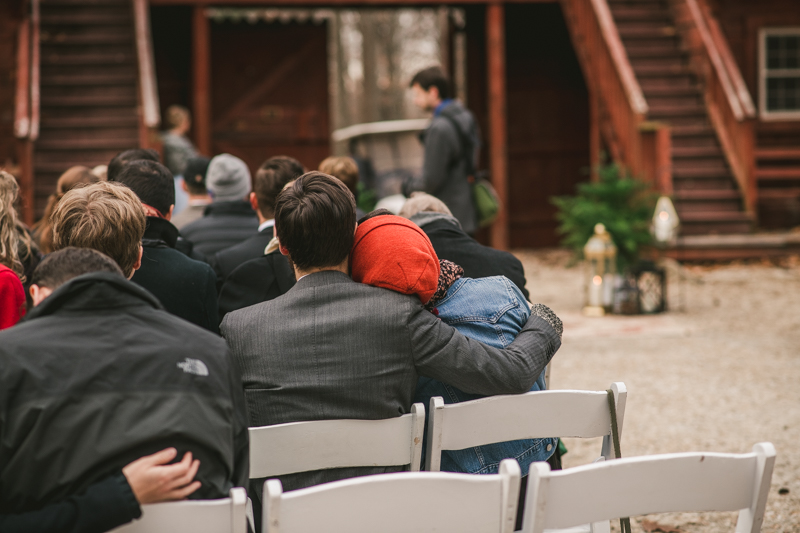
point(269, 87)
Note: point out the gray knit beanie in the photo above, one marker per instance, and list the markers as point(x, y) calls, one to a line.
point(228, 178)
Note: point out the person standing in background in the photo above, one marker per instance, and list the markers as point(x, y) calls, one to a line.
point(178, 149)
point(445, 172)
point(194, 184)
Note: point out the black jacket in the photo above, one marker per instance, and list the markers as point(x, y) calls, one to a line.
point(99, 375)
point(105, 505)
point(185, 287)
point(225, 261)
point(258, 280)
point(223, 225)
point(478, 261)
point(445, 171)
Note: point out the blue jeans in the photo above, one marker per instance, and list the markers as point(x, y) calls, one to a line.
point(492, 311)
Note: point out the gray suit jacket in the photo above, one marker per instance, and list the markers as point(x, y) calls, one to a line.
point(331, 348)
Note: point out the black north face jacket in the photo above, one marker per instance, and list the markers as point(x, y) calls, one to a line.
point(99, 375)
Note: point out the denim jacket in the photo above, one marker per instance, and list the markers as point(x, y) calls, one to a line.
point(493, 311)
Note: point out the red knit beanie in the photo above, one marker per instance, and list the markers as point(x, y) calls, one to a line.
point(394, 253)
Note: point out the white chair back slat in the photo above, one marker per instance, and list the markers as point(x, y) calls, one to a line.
point(226, 515)
point(683, 482)
point(303, 446)
point(540, 414)
point(398, 503)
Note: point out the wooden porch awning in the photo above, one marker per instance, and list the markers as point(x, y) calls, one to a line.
point(269, 15)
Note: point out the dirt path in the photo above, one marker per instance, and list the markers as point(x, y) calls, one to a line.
point(720, 375)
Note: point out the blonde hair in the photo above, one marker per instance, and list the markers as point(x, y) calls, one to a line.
point(11, 230)
point(76, 176)
point(176, 115)
point(344, 168)
point(105, 216)
point(423, 202)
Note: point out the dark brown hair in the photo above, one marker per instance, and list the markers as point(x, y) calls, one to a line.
point(432, 77)
point(271, 178)
point(61, 266)
point(315, 218)
point(107, 217)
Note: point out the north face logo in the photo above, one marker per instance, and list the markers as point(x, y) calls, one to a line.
point(194, 366)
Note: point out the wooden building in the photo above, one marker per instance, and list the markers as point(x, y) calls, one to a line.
point(701, 98)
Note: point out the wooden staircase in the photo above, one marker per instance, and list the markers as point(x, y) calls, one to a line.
point(89, 91)
point(706, 194)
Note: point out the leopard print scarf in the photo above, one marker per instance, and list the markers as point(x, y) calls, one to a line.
point(449, 272)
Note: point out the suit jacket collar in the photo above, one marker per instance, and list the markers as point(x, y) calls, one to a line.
point(160, 232)
point(321, 279)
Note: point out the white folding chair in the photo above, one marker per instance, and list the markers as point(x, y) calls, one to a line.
point(226, 515)
point(321, 444)
point(422, 502)
point(679, 482)
point(539, 414)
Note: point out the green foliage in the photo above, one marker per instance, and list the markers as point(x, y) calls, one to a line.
point(366, 198)
point(623, 204)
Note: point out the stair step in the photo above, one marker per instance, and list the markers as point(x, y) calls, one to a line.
point(654, 91)
point(92, 80)
point(689, 195)
point(715, 216)
point(668, 100)
point(779, 194)
point(678, 110)
point(84, 122)
point(699, 172)
point(91, 100)
point(60, 3)
point(656, 50)
point(784, 173)
point(665, 70)
point(672, 63)
point(61, 38)
point(640, 13)
point(113, 143)
point(692, 130)
point(88, 58)
point(99, 18)
point(58, 161)
point(689, 152)
point(645, 31)
point(682, 82)
point(778, 153)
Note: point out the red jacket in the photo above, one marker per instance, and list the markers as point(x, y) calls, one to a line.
point(12, 298)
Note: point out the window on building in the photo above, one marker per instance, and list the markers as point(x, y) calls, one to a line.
point(780, 73)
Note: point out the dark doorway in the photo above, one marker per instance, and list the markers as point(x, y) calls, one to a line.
point(548, 115)
point(548, 120)
point(269, 91)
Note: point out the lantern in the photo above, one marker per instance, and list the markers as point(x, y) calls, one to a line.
point(665, 221)
point(651, 282)
point(601, 266)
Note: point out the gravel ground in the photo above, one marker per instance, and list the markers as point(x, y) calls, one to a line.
point(719, 372)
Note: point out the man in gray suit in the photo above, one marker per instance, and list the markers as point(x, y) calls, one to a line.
point(331, 348)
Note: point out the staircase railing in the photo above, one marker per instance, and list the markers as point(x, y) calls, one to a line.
point(150, 115)
point(26, 108)
point(642, 147)
point(730, 107)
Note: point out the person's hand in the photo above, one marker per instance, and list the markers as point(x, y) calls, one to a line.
point(153, 480)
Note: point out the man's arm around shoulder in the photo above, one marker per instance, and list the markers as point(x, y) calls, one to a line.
point(441, 352)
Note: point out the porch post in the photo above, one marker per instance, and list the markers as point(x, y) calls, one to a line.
point(201, 80)
point(498, 154)
point(594, 135)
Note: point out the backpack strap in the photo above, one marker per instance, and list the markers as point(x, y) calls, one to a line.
point(467, 145)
